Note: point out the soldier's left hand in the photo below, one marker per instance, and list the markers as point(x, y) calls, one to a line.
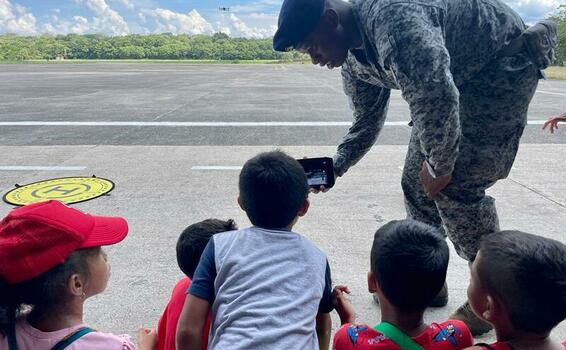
point(433, 185)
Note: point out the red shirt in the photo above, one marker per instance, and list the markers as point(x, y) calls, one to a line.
point(167, 327)
point(449, 335)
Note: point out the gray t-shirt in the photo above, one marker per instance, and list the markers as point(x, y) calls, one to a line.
point(265, 287)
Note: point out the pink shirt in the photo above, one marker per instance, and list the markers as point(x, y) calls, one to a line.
point(29, 338)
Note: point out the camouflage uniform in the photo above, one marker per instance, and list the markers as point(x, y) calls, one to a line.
point(468, 106)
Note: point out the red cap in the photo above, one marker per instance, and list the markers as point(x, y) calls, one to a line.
point(38, 237)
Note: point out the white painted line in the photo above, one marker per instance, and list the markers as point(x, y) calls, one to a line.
point(551, 93)
point(193, 124)
point(40, 168)
point(215, 167)
point(205, 124)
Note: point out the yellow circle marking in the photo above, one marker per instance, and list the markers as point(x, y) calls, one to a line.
point(67, 190)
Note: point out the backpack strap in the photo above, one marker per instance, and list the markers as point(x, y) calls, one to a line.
point(71, 338)
point(397, 336)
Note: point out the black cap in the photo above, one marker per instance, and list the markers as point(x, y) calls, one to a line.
point(297, 19)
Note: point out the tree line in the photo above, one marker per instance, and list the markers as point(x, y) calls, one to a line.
point(560, 19)
point(167, 46)
point(154, 46)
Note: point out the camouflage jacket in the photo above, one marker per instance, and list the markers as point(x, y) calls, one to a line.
point(426, 49)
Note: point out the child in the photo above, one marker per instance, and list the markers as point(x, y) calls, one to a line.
point(518, 285)
point(51, 261)
point(190, 246)
point(553, 122)
point(409, 260)
point(265, 284)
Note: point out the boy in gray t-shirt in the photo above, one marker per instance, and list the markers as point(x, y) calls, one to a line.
point(268, 287)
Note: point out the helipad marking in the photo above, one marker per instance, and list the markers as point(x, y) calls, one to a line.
point(66, 189)
point(40, 168)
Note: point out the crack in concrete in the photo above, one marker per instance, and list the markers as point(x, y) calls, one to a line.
point(540, 194)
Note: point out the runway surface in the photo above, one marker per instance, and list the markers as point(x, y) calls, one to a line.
point(173, 136)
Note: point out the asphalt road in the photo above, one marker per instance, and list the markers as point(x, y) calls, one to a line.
point(184, 121)
point(217, 94)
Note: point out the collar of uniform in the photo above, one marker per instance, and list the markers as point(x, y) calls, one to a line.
point(366, 54)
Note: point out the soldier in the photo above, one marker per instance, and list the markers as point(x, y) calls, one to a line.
point(467, 79)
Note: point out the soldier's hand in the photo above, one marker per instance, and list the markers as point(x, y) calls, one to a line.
point(433, 185)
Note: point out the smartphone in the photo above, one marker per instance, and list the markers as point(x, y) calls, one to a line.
point(320, 171)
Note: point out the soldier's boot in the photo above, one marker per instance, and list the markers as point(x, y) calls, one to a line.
point(474, 323)
point(440, 300)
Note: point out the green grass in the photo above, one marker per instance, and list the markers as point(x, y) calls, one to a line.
point(556, 72)
point(153, 61)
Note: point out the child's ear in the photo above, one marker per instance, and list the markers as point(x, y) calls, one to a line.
point(76, 285)
point(241, 203)
point(304, 208)
point(491, 309)
point(372, 283)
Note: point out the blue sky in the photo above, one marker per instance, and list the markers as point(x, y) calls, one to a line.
point(248, 18)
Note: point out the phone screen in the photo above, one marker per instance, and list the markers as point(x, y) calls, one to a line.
point(319, 171)
point(317, 177)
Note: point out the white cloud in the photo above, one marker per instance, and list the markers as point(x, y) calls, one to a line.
point(129, 4)
point(106, 19)
point(533, 10)
point(15, 19)
point(179, 23)
point(78, 25)
point(240, 28)
point(257, 6)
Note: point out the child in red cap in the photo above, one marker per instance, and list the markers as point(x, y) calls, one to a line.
point(51, 261)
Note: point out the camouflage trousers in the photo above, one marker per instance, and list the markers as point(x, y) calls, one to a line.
point(493, 114)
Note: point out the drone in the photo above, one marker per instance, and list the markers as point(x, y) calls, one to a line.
point(224, 9)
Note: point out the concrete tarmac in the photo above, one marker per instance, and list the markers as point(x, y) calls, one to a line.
point(160, 192)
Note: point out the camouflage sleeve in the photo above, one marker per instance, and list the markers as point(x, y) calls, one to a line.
point(410, 37)
point(369, 103)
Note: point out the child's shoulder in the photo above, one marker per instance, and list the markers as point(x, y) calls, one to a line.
point(101, 340)
point(454, 333)
point(95, 340)
point(361, 336)
point(499, 345)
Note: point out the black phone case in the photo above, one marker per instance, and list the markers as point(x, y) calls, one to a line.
point(323, 163)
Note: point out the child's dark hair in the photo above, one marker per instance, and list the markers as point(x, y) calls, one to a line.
point(528, 274)
point(194, 239)
point(273, 186)
point(43, 293)
point(409, 260)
